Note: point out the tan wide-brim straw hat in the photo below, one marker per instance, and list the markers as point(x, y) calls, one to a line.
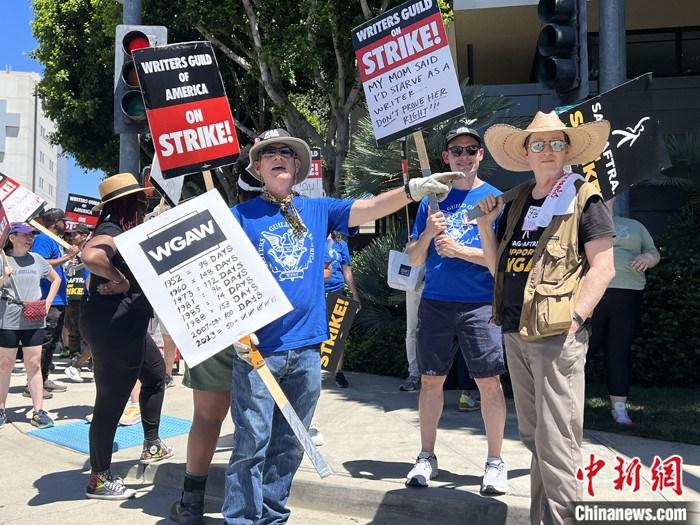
point(506, 143)
point(281, 136)
point(116, 187)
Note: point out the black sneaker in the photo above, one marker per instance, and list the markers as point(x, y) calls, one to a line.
point(340, 380)
point(103, 485)
point(189, 509)
point(169, 382)
point(41, 419)
point(3, 417)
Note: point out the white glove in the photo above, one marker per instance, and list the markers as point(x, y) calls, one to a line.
point(243, 349)
point(438, 183)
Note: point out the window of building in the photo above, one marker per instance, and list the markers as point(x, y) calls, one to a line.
point(41, 183)
point(50, 189)
point(42, 157)
point(664, 52)
point(43, 132)
point(51, 165)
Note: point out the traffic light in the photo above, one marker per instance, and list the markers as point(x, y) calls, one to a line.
point(129, 109)
point(562, 48)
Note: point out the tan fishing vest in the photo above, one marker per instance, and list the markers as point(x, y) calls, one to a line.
point(554, 281)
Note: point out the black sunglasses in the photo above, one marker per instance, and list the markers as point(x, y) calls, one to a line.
point(270, 153)
point(458, 151)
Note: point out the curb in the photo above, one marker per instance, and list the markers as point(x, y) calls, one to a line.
point(344, 495)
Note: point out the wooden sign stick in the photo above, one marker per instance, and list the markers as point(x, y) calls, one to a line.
point(425, 166)
point(208, 180)
point(50, 234)
point(287, 410)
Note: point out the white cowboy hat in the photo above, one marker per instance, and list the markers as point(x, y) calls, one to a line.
point(116, 187)
point(280, 136)
point(506, 143)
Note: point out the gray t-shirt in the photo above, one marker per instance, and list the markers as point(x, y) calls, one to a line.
point(28, 272)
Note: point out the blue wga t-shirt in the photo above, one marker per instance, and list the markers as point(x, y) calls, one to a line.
point(449, 278)
point(50, 249)
point(296, 264)
point(337, 255)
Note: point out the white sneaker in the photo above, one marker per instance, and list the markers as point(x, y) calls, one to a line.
point(425, 469)
point(73, 374)
point(316, 436)
point(619, 414)
point(495, 478)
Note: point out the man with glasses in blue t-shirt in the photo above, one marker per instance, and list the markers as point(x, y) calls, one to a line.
point(289, 232)
point(456, 304)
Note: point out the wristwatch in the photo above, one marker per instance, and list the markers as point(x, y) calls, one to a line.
point(579, 320)
point(407, 189)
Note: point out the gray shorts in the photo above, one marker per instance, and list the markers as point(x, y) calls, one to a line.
point(441, 322)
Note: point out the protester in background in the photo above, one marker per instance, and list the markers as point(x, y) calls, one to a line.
point(210, 382)
point(26, 269)
point(76, 276)
point(338, 261)
point(290, 233)
point(54, 220)
point(115, 321)
point(412, 382)
point(552, 258)
point(616, 318)
point(455, 304)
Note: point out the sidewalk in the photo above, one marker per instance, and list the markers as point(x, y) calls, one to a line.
point(371, 433)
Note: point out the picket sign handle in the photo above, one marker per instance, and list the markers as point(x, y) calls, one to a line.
point(282, 402)
point(50, 234)
point(208, 180)
point(161, 205)
point(425, 166)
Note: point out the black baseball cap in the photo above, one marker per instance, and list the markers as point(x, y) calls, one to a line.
point(52, 216)
point(459, 130)
point(81, 228)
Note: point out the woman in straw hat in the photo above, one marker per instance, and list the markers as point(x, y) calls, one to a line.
point(552, 260)
point(116, 319)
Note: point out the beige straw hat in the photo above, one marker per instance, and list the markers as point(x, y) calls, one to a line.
point(281, 136)
point(506, 143)
point(117, 186)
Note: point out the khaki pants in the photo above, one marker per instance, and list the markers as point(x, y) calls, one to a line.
point(548, 386)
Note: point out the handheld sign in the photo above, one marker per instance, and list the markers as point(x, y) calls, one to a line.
point(341, 313)
point(312, 186)
point(187, 109)
point(4, 226)
point(203, 276)
point(406, 69)
point(170, 189)
point(635, 150)
point(79, 209)
point(20, 204)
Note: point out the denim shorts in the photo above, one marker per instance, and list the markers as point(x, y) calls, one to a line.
point(441, 322)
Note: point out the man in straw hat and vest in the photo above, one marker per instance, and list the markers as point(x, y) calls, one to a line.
point(552, 258)
point(290, 234)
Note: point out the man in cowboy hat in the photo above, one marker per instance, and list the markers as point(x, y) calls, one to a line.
point(290, 233)
point(552, 258)
point(54, 220)
point(456, 304)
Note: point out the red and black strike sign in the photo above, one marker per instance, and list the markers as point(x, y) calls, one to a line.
point(4, 226)
point(79, 209)
point(187, 109)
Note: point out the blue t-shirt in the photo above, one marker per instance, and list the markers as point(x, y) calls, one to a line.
point(449, 278)
point(297, 265)
point(337, 255)
point(50, 249)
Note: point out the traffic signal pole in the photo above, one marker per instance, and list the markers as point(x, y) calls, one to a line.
point(129, 150)
point(613, 63)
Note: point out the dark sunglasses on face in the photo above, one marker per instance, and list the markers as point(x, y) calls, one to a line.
point(284, 152)
point(557, 145)
point(458, 151)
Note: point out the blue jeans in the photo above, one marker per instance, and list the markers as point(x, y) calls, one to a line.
point(266, 454)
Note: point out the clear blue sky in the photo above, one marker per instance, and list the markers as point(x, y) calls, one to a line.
point(16, 43)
